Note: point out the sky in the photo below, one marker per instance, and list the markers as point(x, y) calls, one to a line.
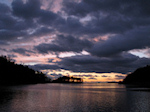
point(97, 40)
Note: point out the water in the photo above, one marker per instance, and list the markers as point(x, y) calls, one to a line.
point(86, 97)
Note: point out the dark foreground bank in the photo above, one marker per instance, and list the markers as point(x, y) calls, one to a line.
point(16, 74)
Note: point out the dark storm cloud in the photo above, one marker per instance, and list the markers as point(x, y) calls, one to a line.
point(123, 63)
point(45, 67)
point(10, 27)
point(43, 31)
point(5, 19)
point(10, 35)
point(110, 16)
point(3, 43)
point(12, 56)
point(32, 10)
point(64, 44)
point(10, 22)
point(4, 8)
point(29, 9)
point(22, 51)
point(27, 20)
point(106, 17)
point(7, 22)
point(126, 7)
point(127, 20)
point(71, 26)
point(134, 39)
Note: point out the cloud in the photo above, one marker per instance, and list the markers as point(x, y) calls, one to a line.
point(84, 75)
point(92, 78)
point(89, 76)
point(3, 43)
point(134, 39)
point(29, 9)
point(76, 24)
point(12, 56)
point(123, 63)
point(71, 25)
point(120, 76)
point(105, 17)
point(84, 7)
point(42, 31)
point(50, 60)
point(45, 67)
point(55, 76)
point(10, 27)
point(26, 20)
point(64, 44)
point(4, 8)
point(22, 51)
point(109, 16)
point(104, 76)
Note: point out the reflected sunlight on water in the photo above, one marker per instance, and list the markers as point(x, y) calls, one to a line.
point(86, 97)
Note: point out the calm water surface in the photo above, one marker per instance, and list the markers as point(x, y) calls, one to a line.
point(86, 97)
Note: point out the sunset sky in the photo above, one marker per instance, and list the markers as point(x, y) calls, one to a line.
point(97, 40)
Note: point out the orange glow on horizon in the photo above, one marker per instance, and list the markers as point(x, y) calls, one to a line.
point(91, 77)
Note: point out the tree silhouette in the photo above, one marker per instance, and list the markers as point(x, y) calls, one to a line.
point(139, 76)
point(12, 73)
point(67, 79)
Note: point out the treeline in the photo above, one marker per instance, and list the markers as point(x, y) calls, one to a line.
point(12, 73)
point(141, 76)
point(67, 79)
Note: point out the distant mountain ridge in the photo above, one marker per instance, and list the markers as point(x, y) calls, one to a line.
point(140, 76)
point(13, 74)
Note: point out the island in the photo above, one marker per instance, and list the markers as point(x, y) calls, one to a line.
point(141, 76)
point(67, 79)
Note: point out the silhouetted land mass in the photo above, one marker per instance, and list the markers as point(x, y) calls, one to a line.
point(141, 76)
point(14, 74)
point(112, 82)
point(66, 79)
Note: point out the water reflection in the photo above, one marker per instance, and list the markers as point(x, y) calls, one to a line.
point(73, 98)
point(138, 98)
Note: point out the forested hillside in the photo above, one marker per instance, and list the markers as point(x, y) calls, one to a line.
point(12, 73)
point(139, 76)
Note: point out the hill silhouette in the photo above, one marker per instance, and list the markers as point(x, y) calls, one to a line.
point(12, 73)
point(141, 76)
